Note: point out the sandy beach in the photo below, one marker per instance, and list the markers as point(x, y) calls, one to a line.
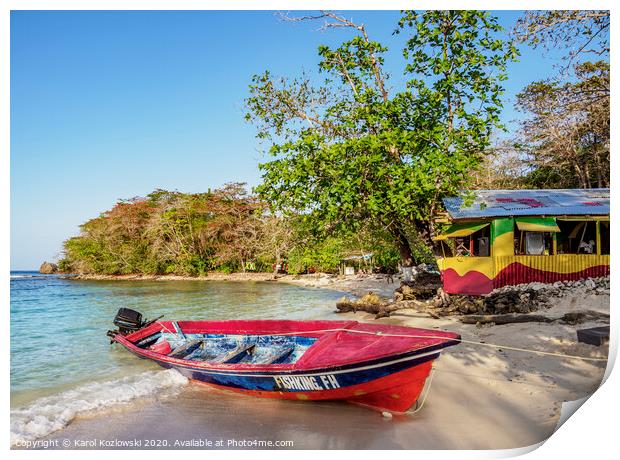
point(480, 397)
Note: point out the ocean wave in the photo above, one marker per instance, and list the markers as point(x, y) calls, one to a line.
point(52, 413)
point(25, 276)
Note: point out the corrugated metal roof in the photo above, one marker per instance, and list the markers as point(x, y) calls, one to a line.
point(505, 203)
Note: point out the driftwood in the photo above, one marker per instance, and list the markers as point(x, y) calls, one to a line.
point(570, 318)
point(503, 306)
point(582, 316)
point(505, 319)
point(371, 303)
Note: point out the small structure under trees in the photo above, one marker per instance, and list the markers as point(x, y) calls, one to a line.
point(351, 263)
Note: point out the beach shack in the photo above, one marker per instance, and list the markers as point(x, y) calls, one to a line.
point(506, 237)
point(351, 264)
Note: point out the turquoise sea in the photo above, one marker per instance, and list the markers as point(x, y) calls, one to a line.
point(62, 363)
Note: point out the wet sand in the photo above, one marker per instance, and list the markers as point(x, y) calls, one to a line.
point(468, 407)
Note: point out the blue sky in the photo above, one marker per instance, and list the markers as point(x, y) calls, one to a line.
point(109, 105)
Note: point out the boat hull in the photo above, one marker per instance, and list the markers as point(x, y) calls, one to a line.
point(380, 366)
point(395, 393)
point(393, 384)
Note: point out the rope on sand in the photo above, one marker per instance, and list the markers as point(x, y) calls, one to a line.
point(427, 390)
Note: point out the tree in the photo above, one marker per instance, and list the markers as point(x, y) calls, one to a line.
point(309, 251)
point(354, 151)
point(171, 232)
point(237, 226)
point(579, 32)
point(503, 168)
point(278, 238)
point(564, 138)
point(567, 131)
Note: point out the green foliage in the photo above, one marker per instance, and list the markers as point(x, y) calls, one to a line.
point(323, 256)
point(191, 234)
point(349, 153)
point(449, 59)
point(326, 254)
point(170, 233)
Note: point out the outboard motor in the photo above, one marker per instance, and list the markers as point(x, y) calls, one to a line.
point(128, 320)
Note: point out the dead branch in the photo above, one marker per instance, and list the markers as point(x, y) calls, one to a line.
point(569, 318)
point(333, 20)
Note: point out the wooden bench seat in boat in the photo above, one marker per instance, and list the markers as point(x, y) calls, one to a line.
point(247, 354)
point(279, 357)
point(185, 349)
point(236, 355)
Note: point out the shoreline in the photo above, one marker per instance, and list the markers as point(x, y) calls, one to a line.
point(357, 285)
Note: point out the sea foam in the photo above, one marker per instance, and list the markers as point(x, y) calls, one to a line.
point(52, 413)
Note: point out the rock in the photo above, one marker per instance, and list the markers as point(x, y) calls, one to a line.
point(464, 307)
point(425, 293)
point(519, 299)
point(48, 268)
point(429, 277)
point(424, 286)
point(406, 291)
point(428, 268)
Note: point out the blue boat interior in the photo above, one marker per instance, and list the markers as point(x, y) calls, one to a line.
point(232, 349)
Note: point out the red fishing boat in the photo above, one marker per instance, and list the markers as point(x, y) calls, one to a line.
point(380, 366)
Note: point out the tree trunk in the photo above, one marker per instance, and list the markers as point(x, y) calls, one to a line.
point(586, 168)
point(275, 266)
point(404, 248)
point(599, 168)
point(406, 254)
point(580, 173)
point(426, 232)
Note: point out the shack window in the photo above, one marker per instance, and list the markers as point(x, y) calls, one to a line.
point(534, 235)
point(577, 237)
point(466, 239)
point(462, 246)
point(476, 244)
point(482, 242)
point(533, 243)
point(604, 229)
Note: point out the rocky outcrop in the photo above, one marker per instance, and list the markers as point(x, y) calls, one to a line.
point(423, 287)
point(501, 306)
point(47, 268)
point(523, 298)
